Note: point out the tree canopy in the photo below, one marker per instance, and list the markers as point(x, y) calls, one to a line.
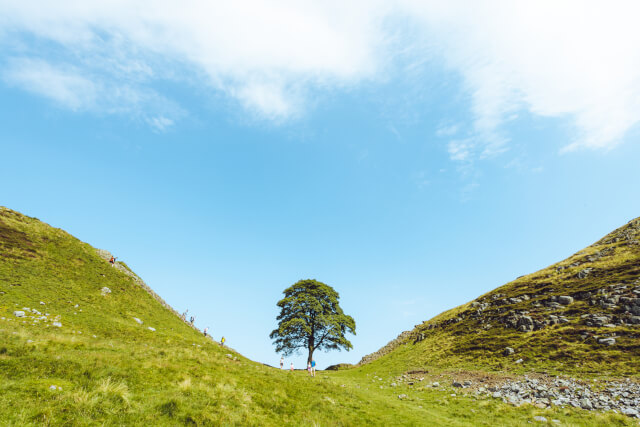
point(311, 317)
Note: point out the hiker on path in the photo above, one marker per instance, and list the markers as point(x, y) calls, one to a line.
point(309, 367)
point(184, 315)
point(291, 366)
point(205, 331)
point(222, 341)
point(313, 368)
point(112, 261)
point(281, 362)
point(193, 319)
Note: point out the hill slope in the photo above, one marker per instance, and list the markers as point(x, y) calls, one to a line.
point(581, 315)
point(84, 343)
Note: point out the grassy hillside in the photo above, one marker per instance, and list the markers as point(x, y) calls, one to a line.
point(580, 316)
point(73, 353)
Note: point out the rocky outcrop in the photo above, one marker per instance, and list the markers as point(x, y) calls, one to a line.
point(401, 339)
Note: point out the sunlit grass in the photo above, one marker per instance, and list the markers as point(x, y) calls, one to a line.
point(108, 370)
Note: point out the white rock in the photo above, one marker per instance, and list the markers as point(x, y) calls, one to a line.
point(41, 303)
point(18, 313)
point(105, 291)
point(540, 418)
point(138, 320)
point(57, 324)
point(151, 329)
point(519, 361)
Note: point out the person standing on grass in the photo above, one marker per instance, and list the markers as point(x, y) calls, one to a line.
point(313, 368)
point(112, 261)
point(281, 362)
point(309, 367)
point(205, 331)
point(222, 341)
point(193, 319)
point(291, 366)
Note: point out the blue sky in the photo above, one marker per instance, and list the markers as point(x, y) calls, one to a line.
point(411, 155)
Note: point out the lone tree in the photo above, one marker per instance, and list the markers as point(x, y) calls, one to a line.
point(310, 317)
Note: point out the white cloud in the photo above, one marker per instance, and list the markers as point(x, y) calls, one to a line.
point(67, 86)
point(76, 89)
point(461, 150)
point(575, 60)
point(160, 124)
point(572, 59)
point(264, 54)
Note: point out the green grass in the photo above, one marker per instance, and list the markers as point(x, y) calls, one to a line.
point(112, 371)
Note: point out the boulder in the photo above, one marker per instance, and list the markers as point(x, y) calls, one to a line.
point(508, 351)
point(565, 300)
point(19, 313)
point(586, 404)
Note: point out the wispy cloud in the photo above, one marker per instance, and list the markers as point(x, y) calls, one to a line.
point(79, 89)
point(265, 55)
point(575, 60)
point(66, 86)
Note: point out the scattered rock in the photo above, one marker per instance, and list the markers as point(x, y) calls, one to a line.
point(457, 384)
point(607, 341)
point(435, 384)
point(584, 273)
point(630, 412)
point(42, 303)
point(19, 313)
point(402, 396)
point(508, 351)
point(540, 418)
point(138, 320)
point(105, 291)
point(151, 329)
point(519, 361)
point(57, 324)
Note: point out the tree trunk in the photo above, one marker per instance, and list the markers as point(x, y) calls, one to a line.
point(312, 343)
point(310, 358)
